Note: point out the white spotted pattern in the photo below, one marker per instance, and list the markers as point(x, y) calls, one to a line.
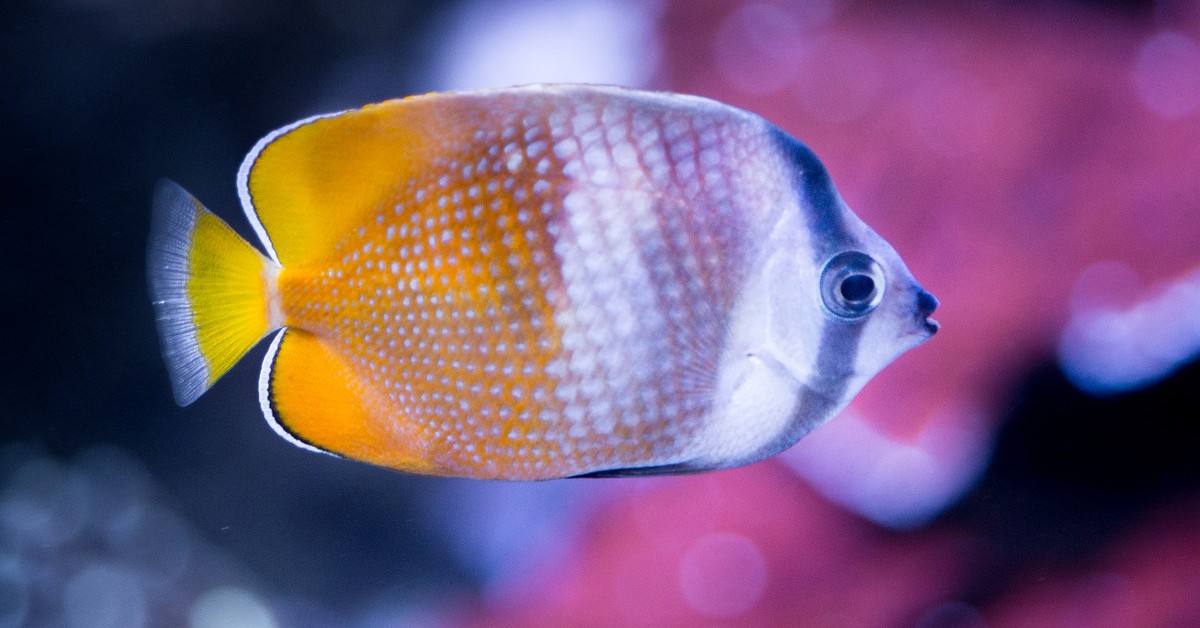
point(552, 297)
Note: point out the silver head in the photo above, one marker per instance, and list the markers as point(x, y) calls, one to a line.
point(828, 305)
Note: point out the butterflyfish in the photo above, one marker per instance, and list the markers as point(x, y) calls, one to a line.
point(535, 282)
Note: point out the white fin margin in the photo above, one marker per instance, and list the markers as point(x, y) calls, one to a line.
point(243, 178)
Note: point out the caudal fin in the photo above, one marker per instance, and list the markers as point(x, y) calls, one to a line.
point(213, 293)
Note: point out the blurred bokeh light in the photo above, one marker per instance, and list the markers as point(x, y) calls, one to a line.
point(493, 44)
point(1036, 164)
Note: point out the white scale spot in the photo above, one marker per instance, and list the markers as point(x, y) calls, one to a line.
point(583, 121)
point(535, 148)
point(566, 149)
point(625, 156)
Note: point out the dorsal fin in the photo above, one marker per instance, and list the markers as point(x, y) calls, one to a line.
point(308, 184)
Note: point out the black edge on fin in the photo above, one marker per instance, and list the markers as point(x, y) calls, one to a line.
point(266, 399)
point(674, 468)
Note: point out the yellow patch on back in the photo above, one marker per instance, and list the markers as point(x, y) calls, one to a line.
point(322, 178)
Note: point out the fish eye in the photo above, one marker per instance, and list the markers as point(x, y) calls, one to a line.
point(851, 284)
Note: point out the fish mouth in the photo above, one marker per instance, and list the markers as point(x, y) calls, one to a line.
point(926, 304)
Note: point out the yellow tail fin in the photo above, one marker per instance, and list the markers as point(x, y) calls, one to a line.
point(214, 295)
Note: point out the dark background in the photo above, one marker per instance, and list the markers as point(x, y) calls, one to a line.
point(102, 100)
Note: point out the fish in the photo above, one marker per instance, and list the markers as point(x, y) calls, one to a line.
point(535, 282)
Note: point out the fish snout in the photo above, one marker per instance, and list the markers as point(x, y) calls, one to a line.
point(926, 304)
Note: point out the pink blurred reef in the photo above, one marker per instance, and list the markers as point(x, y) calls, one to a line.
point(1039, 169)
point(1037, 165)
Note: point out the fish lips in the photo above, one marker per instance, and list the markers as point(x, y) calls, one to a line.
point(926, 304)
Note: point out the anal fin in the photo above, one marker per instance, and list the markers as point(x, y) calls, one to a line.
point(312, 397)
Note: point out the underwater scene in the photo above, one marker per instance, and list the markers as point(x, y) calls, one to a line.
point(1034, 166)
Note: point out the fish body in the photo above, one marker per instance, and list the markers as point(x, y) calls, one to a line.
point(536, 282)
